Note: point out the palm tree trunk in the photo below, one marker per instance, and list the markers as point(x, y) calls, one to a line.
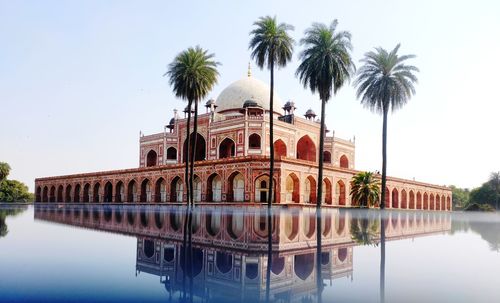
point(271, 138)
point(384, 157)
point(193, 151)
point(188, 149)
point(382, 257)
point(321, 147)
point(319, 279)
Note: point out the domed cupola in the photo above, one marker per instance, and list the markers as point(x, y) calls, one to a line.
point(310, 114)
point(289, 107)
point(232, 97)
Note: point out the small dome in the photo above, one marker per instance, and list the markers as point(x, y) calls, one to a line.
point(172, 121)
point(186, 109)
point(289, 105)
point(248, 88)
point(250, 103)
point(210, 102)
point(310, 113)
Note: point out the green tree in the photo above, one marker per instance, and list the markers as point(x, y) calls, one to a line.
point(14, 191)
point(4, 170)
point(485, 194)
point(385, 82)
point(460, 197)
point(192, 74)
point(271, 45)
point(326, 66)
point(495, 183)
point(365, 189)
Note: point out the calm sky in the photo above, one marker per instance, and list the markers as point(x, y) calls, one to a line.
point(80, 79)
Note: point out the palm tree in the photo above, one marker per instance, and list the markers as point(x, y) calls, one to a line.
point(326, 65)
point(365, 189)
point(192, 74)
point(385, 82)
point(271, 45)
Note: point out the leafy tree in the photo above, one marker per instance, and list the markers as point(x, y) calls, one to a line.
point(494, 181)
point(192, 74)
point(271, 45)
point(326, 66)
point(14, 191)
point(365, 189)
point(4, 170)
point(485, 194)
point(385, 82)
point(460, 197)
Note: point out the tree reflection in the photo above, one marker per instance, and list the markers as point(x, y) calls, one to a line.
point(4, 213)
point(364, 231)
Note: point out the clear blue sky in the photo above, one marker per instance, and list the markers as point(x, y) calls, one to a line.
point(80, 79)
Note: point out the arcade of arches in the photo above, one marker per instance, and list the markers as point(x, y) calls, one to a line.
point(294, 188)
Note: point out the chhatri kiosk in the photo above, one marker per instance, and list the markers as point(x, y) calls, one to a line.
point(232, 161)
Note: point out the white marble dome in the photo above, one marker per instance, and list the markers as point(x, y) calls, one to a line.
point(248, 88)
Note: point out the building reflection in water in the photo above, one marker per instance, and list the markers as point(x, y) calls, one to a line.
point(227, 255)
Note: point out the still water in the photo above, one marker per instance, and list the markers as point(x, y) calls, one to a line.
point(58, 253)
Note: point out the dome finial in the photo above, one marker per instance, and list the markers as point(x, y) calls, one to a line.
point(249, 73)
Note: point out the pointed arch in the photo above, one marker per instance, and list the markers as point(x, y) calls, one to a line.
point(261, 185)
point(419, 200)
point(67, 196)
point(395, 198)
point(108, 192)
point(306, 149)
point(310, 190)
point(76, 194)
point(438, 203)
point(327, 191)
point(344, 161)
point(96, 192)
point(340, 192)
point(404, 204)
point(292, 188)
point(236, 187)
point(279, 149)
point(254, 141)
point(38, 197)
point(200, 152)
point(60, 190)
point(45, 194)
point(214, 188)
point(151, 158)
point(146, 191)
point(86, 192)
point(132, 191)
point(227, 148)
point(303, 265)
point(426, 201)
point(52, 194)
point(176, 190)
point(431, 203)
point(120, 192)
point(387, 198)
point(412, 200)
point(160, 190)
point(327, 157)
point(171, 154)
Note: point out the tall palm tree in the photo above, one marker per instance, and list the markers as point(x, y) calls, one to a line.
point(385, 82)
point(271, 45)
point(326, 66)
point(365, 189)
point(192, 74)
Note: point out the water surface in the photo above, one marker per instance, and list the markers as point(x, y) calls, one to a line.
point(63, 253)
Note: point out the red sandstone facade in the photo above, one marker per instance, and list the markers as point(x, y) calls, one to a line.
point(232, 160)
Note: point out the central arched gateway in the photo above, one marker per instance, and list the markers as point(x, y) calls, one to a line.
point(262, 188)
point(151, 158)
point(306, 150)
